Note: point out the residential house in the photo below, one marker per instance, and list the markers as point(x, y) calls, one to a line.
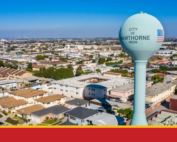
point(76, 103)
point(26, 111)
point(51, 100)
point(80, 115)
point(12, 104)
point(56, 111)
point(28, 95)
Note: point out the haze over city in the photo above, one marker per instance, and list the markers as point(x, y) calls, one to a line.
point(78, 18)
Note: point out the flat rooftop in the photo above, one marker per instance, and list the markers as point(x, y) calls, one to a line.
point(127, 87)
point(109, 83)
point(7, 82)
point(157, 89)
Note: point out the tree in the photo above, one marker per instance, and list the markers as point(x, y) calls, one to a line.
point(48, 73)
point(3, 89)
point(63, 73)
point(50, 58)
point(40, 57)
point(109, 59)
point(124, 75)
point(1, 64)
point(70, 67)
point(98, 70)
point(79, 68)
point(63, 59)
point(93, 61)
point(163, 67)
point(101, 61)
point(27, 69)
point(156, 79)
point(30, 66)
point(37, 73)
point(90, 56)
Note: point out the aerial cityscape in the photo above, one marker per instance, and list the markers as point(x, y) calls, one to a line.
point(126, 76)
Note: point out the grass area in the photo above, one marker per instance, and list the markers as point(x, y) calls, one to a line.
point(49, 122)
point(11, 121)
point(42, 124)
point(16, 117)
point(57, 123)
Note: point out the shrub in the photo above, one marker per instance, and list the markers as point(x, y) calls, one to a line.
point(24, 119)
point(15, 115)
point(21, 121)
point(51, 118)
point(1, 115)
point(55, 119)
point(47, 118)
point(4, 113)
point(11, 121)
point(9, 111)
point(30, 124)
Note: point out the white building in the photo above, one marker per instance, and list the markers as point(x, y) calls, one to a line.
point(89, 86)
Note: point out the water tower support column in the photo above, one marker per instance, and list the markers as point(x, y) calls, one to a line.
point(139, 116)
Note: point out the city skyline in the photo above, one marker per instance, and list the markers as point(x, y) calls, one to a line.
point(79, 19)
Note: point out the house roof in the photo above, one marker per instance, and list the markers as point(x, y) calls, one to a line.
point(77, 102)
point(81, 112)
point(57, 109)
point(104, 119)
point(111, 73)
point(11, 102)
point(30, 109)
point(50, 98)
point(67, 123)
point(28, 93)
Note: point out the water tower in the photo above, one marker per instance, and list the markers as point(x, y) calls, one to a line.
point(141, 36)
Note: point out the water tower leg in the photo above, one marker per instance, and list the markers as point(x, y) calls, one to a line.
point(139, 116)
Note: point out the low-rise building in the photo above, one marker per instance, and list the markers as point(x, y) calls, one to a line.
point(26, 111)
point(80, 115)
point(88, 86)
point(12, 104)
point(125, 92)
point(159, 92)
point(7, 73)
point(76, 103)
point(51, 100)
point(28, 95)
point(56, 111)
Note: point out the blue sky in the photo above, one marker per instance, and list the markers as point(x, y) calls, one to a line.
point(79, 18)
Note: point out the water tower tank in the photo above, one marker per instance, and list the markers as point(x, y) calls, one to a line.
point(141, 35)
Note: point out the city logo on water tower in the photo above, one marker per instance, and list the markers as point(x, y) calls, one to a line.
point(160, 35)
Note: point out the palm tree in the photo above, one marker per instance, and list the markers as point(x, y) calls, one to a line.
point(3, 89)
